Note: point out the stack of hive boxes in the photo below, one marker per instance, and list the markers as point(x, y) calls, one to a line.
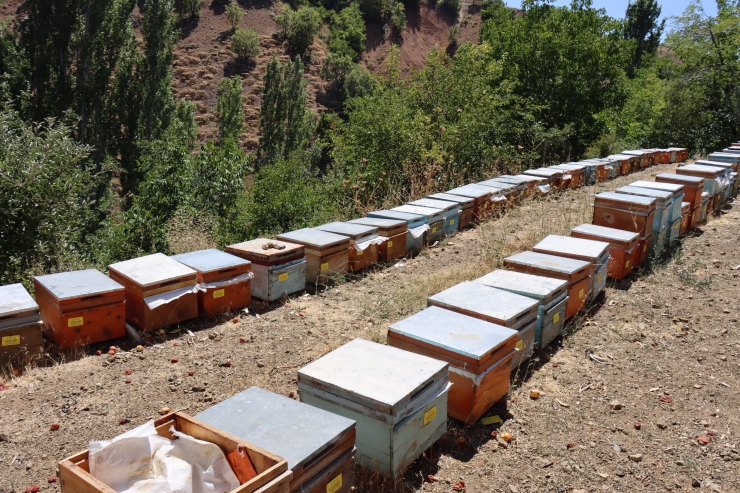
point(629, 213)
point(624, 247)
point(675, 217)
point(693, 188)
point(663, 211)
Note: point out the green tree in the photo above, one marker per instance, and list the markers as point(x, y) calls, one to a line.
point(234, 14)
point(192, 8)
point(347, 35)
point(229, 110)
point(298, 27)
point(336, 68)
point(642, 26)
point(245, 44)
point(398, 17)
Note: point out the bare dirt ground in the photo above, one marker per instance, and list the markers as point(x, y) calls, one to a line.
point(668, 333)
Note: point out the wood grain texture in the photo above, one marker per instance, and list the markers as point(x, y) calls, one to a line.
point(360, 260)
point(252, 250)
point(641, 223)
point(146, 319)
point(394, 248)
point(272, 282)
point(228, 298)
point(319, 268)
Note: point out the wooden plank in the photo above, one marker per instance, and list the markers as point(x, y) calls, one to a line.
point(267, 252)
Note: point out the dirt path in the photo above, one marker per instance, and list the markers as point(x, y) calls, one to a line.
point(670, 332)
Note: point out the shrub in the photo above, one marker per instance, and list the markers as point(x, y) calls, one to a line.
point(453, 5)
point(191, 8)
point(453, 34)
point(348, 32)
point(376, 9)
point(245, 44)
point(359, 82)
point(298, 27)
point(398, 16)
point(234, 14)
point(336, 68)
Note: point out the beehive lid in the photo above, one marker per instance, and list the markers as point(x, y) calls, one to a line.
point(688, 180)
point(290, 429)
point(152, 269)
point(537, 287)
point(632, 202)
point(562, 265)
point(570, 167)
point(16, 302)
point(505, 308)
point(731, 150)
point(515, 179)
point(701, 170)
point(381, 223)
point(726, 165)
point(403, 216)
point(210, 260)
point(636, 153)
point(550, 173)
point(438, 329)
point(577, 247)
point(663, 197)
point(670, 187)
point(70, 285)
point(463, 202)
point(620, 157)
point(444, 205)
point(315, 238)
point(730, 156)
point(376, 376)
point(358, 232)
point(432, 215)
point(499, 185)
point(608, 234)
point(532, 178)
point(470, 191)
point(253, 250)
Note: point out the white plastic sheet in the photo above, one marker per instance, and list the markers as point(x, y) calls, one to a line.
point(419, 230)
point(544, 188)
point(163, 298)
point(378, 240)
point(228, 282)
point(141, 461)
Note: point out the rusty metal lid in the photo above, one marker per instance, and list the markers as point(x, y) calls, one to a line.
point(210, 260)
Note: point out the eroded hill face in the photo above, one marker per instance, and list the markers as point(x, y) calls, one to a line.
point(202, 55)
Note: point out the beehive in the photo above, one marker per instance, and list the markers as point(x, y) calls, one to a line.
point(479, 354)
point(498, 202)
point(725, 189)
point(465, 204)
point(530, 184)
point(554, 177)
point(625, 162)
point(732, 158)
point(576, 272)
point(310, 439)
point(600, 170)
point(397, 398)
point(279, 267)
point(513, 192)
point(363, 246)
point(81, 307)
point(711, 175)
point(693, 186)
point(481, 197)
point(395, 230)
point(628, 212)
point(576, 171)
point(496, 306)
point(594, 252)
point(451, 212)
point(646, 157)
point(663, 212)
point(160, 291)
point(435, 220)
point(551, 294)
point(682, 154)
point(20, 325)
point(622, 247)
point(685, 217)
point(327, 254)
point(676, 189)
point(225, 279)
point(416, 236)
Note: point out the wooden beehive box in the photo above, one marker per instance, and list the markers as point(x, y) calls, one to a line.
point(479, 353)
point(496, 306)
point(622, 247)
point(682, 154)
point(279, 267)
point(730, 158)
point(225, 278)
point(498, 202)
point(160, 291)
point(675, 189)
point(554, 177)
point(693, 186)
point(397, 398)
point(308, 438)
point(550, 293)
point(81, 307)
point(576, 272)
point(395, 230)
point(363, 246)
point(451, 212)
point(627, 212)
point(466, 205)
point(435, 220)
point(686, 211)
point(416, 236)
point(577, 173)
point(646, 157)
point(711, 175)
point(482, 198)
point(724, 182)
point(512, 192)
point(20, 325)
point(327, 254)
point(541, 184)
point(595, 252)
point(625, 162)
point(664, 203)
point(273, 475)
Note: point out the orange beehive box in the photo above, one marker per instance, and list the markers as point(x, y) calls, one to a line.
point(644, 248)
point(481, 198)
point(81, 307)
point(160, 291)
point(479, 353)
point(395, 232)
point(628, 212)
point(685, 217)
point(693, 186)
point(20, 325)
point(224, 279)
point(327, 254)
point(622, 245)
point(363, 246)
point(466, 205)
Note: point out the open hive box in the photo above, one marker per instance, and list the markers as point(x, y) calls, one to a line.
point(551, 294)
point(495, 306)
point(160, 291)
point(319, 446)
point(397, 398)
point(327, 254)
point(279, 267)
point(479, 353)
point(394, 230)
point(450, 211)
point(225, 278)
point(416, 234)
point(481, 197)
point(363, 244)
point(272, 474)
point(465, 204)
point(81, 307)
point(576, 272)
point(624, 247)
point(20, 325)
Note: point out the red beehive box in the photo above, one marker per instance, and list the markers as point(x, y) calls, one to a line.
point(622, 246)
point(628, 212)
point(160, 291)
point(81, 307)
point(225, 278)
point(20, 325)
point(363, 246)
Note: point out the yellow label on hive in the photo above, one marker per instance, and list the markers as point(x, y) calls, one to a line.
point(520, 344)
point(580, 293)
point(359, 252)
point(390, 244)
point(283, 277)
point(644, 248)
point(334, 485)
point(430, 415)
point(11, 340)
point(452, 222)
point(325, 266)
point(75, 322)
point(598, 278)
point(219, 293)
point(434, 229)
point(627, 264)
point(556, 318)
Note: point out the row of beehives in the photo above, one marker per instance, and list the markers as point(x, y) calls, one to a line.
point(382, 406)
point(151, 292)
